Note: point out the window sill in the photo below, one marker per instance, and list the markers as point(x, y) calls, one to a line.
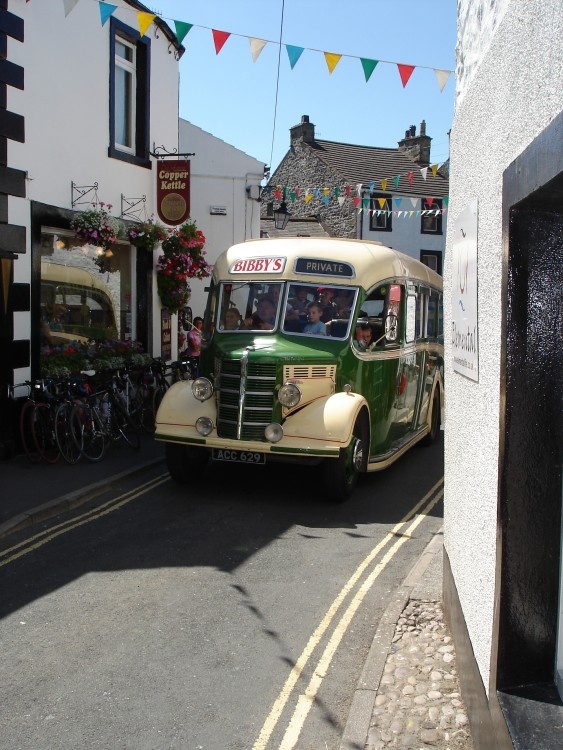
point(534, 716)
point(138, 161)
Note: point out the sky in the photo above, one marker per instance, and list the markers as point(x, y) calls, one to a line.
point(252, 104)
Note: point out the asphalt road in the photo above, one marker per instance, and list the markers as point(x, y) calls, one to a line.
point(233, 615)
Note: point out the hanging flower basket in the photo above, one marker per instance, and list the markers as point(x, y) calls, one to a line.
point(96, 226)
point(182, 259)
point(147, 234)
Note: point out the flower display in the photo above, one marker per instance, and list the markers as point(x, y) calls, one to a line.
point(147, 234)
point(96, 226)
point(182, 259)
point(70, 359)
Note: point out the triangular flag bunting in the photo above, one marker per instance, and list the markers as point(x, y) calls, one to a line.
point(332, 60)
point(424, 172)
point(382, 202)
point(414, 202)
point(294, 53)
point(293, 196)
point(348, 190)
point(405, 71)
point(256, 47)
point(371, 187)
point(336, 191)
point(356, 201)
point(429, 201)
point(144, 20)
point(69, 5)
point(398, 202)
point(434, 169)
point(368, 66)
point(396, 180)
point(365, 202)
point(182, 29)
point(325, 199)
point(105, 11)
point(384, 185)
point(219, 39)
point(326, 191)
point(442, 77)
point(445, 200)
point(308, 197)
point(341, 200)
point(410, 177)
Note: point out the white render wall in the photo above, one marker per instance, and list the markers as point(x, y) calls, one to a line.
point(512, 94)
point(220, 174)
point(66, 108)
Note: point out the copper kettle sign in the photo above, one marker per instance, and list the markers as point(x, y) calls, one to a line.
point(173, 191)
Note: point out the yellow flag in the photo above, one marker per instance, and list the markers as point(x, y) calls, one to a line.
point(144, 20)
point(384, 185)
point(308, 197)
point(434, 169)
point(332, 60)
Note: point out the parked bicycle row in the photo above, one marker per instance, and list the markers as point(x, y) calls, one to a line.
point(83, 415)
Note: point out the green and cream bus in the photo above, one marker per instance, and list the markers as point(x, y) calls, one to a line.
point(324, 352)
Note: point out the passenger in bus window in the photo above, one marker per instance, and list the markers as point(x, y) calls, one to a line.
point(359, 340)
point(233, 320)
point(328, 306)
point(315, 326)
point(297, 304)
point(265, 314)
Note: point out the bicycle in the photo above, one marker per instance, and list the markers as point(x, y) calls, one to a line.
point(37, 421)
point(70, 392)
point(101, 418)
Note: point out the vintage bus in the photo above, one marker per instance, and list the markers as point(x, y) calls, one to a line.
point(287, 373)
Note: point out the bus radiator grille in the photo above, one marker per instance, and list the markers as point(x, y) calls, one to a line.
point(246, 399)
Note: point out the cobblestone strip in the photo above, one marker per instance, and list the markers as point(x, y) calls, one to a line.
point(418, 704)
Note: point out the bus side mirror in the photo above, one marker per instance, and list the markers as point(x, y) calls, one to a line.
point(391, 327)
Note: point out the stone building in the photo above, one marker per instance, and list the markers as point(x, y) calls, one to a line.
point(394, 195)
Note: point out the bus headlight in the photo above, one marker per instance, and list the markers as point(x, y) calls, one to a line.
point(289, 395)
point(204, 426)
point(273, 432)
point(202, 389)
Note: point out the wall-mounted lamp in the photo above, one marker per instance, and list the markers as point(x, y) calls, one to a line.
point(281, 216)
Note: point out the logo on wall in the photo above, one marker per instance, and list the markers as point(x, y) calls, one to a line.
point(173, 191)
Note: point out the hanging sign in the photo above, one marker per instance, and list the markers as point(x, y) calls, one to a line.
point(173, 191)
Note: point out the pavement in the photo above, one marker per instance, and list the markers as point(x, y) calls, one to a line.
point(408, 694)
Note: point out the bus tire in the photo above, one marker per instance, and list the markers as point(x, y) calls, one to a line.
point(185, 465)
point(341, 474)
point(435, 421)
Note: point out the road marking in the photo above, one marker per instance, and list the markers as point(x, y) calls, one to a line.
point(38, 540)
point(286, 691)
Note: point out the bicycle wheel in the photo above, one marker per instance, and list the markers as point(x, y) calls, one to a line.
point(27, 418)
point(88, 431)
point(157, 397)
point(69, 448)
point(123, 424)
point(43, 429)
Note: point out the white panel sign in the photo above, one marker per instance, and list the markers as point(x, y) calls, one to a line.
point(465, 340)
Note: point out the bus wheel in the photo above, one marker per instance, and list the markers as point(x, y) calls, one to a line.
point(435, 421)
point(341, 474)
point(185, 465)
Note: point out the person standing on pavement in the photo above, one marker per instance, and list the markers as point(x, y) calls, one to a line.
point(194, 343)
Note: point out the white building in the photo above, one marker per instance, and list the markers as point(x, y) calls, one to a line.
point(85, 102)
point(503, 430)
point(225, 196)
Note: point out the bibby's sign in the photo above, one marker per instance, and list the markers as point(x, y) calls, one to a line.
point(173, 191)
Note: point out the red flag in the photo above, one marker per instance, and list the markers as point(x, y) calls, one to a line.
point(405, 71)
point(219, 39)
point(410, 177)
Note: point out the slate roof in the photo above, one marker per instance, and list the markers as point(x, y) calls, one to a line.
point(365, 164)
point(295, 228)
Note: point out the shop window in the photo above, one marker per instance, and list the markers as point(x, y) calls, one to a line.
point(129, 95)
point(381, 213)
point(431, 223)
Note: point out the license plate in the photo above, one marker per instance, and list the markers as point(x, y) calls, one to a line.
point(241, 457)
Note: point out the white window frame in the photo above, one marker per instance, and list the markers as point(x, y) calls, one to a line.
point(129, 67)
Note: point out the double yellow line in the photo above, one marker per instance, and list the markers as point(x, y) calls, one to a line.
point(306, 699)
point(32, 543)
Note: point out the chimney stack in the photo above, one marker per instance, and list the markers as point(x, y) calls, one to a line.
point(305, 131)
point(417, 146)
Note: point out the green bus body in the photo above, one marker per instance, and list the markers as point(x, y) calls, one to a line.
point(285, 394)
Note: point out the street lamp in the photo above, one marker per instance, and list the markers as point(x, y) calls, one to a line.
point(281, 216)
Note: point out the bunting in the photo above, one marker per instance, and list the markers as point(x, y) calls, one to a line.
point(182, 28)
point(69, 6)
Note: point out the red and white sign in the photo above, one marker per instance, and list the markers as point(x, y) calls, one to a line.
point(258, 265)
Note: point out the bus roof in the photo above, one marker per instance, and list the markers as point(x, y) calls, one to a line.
point(340, 261)
point(61, 274)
